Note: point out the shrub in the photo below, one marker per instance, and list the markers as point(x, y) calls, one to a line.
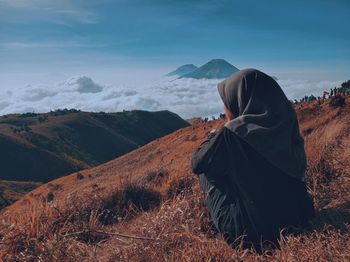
point(54, 187)
point(65, 111)
point(179, 186)
point(50, 196)
point(127, 202)
point(337, 101)
point(79, 176)
point(23, 128)
point(29, 114)
point(42, 119)
point(307, 131)
point(155, 177)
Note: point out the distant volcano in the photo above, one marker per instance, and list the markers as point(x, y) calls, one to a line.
point(216, 68)
point(183, 70)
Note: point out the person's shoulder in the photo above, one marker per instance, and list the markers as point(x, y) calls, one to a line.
point(223, 132)
point(226, 131)
point(230, 136)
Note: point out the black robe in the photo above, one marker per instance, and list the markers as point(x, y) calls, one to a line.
point(247, 195)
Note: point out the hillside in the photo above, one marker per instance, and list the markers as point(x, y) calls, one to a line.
point(11, 191)
point(147, 206)
point(41, 147)
point(216, 68)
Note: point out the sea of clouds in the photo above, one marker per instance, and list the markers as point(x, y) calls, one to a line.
point(186, 97)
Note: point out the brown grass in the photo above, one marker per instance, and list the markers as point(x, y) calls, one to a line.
point(161, 202)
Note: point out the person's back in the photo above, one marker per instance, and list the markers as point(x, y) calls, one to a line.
point(281, 200)
point(250, 189)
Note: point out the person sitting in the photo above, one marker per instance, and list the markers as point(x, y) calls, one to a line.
point(253, 170)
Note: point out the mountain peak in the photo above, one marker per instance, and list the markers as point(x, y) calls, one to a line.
point(215, 68)
point(218, 60)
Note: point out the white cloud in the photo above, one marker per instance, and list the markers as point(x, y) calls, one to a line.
point(82, 84)
point(37, 94)
point(186, 97)
point(4, 104)
point(296, 89)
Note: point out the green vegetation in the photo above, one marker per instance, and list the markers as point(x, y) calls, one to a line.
point(62, 112)
point(337, 101)
point(23, 128)
point(25, 115)
point(42, 118)
point(346, 84)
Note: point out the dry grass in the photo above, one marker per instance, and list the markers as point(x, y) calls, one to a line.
point(53, 234)
point(167, 209)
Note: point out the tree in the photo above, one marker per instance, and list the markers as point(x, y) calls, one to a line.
point(346, 84)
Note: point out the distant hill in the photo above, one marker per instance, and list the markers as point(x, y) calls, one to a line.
point(216, 68)
point(183, 70)
point(10, 191)
point(41, 147)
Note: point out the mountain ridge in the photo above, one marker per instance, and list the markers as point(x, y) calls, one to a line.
point(46, 146)
point(214, 69)
point(183, 70)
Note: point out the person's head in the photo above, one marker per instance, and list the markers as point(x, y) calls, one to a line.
point(238, 90)
point(261, 114)
point(235, 91)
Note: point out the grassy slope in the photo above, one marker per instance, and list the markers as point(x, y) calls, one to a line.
point(10, 191)
point(179, 223)
point(41, 147)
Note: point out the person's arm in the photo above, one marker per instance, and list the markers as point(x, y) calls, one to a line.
point(211, 156)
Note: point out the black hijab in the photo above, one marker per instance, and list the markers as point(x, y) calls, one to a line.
point(265, 119)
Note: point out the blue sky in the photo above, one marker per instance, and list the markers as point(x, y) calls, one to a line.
point(47, 40)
